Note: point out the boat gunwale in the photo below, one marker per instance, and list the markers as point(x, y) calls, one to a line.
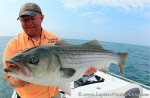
point(129, 80)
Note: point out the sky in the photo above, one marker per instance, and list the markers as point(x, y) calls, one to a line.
point(121, 21)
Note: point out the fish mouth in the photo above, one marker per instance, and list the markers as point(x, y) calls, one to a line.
point(16, 68)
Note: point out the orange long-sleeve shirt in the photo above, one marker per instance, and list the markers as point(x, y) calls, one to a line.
point(20, 43)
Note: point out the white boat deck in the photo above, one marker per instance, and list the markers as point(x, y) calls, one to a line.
point(112, 87)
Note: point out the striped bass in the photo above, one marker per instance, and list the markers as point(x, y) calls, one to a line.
point(55, 65)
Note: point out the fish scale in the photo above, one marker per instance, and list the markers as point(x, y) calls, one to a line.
point(82, 55)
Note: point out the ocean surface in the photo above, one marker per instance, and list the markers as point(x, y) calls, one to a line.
point(137, 65)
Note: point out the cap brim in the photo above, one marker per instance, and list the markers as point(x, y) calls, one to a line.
point(30, 13)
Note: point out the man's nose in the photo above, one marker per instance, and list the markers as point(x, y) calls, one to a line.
point(29, 21)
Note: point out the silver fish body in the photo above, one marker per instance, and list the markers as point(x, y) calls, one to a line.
point(54, 65)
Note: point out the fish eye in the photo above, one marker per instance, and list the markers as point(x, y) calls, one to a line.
point(33, 60)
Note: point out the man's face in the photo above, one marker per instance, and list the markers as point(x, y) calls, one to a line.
point(32, 24)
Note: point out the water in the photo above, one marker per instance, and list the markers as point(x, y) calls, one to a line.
point(137, 65)
point(5, 89)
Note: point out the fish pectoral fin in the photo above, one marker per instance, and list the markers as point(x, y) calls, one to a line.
point(67, 72)
point(65, 88)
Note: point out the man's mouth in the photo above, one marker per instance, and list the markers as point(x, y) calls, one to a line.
point(29, 27)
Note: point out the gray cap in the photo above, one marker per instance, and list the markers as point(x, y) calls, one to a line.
point(31, 9)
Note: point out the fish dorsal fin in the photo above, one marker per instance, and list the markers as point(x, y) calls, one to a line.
point(93, 42)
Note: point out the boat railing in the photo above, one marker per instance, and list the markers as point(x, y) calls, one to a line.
point(129, 80)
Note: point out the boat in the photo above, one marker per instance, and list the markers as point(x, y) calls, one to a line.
point(105, 85)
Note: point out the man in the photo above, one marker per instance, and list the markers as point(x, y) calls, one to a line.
point(31, 18)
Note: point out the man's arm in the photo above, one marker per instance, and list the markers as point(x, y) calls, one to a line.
point(14, 82)
point(62, 42)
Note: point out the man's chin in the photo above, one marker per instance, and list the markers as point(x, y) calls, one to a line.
point(31, 32)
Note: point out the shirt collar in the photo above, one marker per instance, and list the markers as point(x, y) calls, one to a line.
point(25, 36)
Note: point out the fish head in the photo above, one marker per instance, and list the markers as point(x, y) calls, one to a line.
point(32, 63)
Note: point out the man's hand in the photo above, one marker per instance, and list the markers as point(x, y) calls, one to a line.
point(16, 83)
point(90, 71)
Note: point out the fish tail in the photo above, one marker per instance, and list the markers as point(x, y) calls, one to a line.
point(123, 57)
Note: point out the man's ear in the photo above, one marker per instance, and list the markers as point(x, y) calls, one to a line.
point(42, 17)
